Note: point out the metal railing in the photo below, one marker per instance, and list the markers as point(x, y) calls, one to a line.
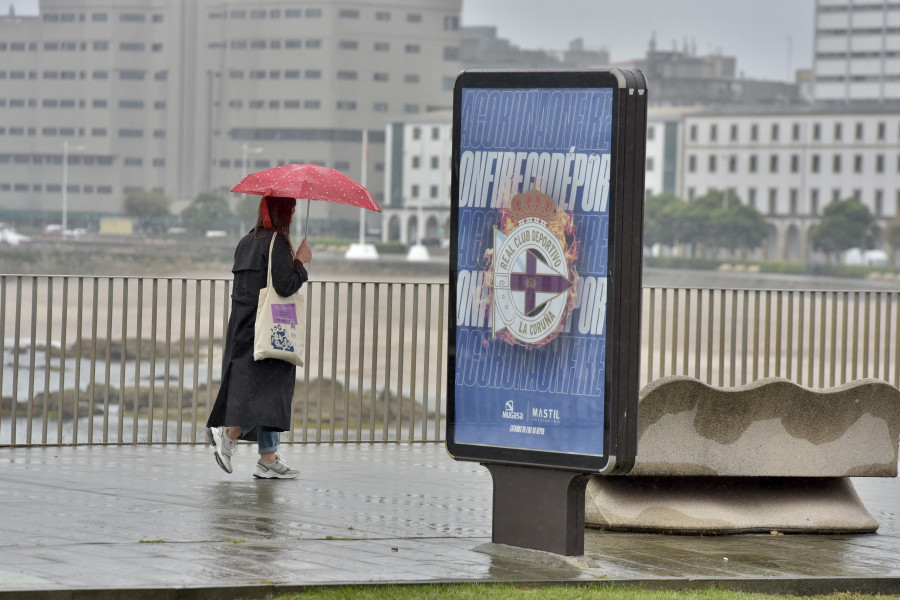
point(136, 360)
point(109, 360)
point(732, 337)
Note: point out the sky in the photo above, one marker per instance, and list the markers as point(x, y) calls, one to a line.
point(769, 38)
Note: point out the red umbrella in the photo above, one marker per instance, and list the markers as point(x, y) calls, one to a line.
point(310, 182)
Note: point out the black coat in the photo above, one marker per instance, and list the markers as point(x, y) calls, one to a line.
point(256, 392)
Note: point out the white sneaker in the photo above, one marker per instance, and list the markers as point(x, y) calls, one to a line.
point(276, 470)
point(224, 446)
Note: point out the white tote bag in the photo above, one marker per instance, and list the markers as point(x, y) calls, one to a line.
point(280, 323)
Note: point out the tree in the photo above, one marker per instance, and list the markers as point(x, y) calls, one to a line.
point(658, 211)
point(740, 227)
point(844, 225)
point(247, 210)
point(148, 208)
point(207, 212)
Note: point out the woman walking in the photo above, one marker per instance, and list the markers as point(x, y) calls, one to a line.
point(254, 402)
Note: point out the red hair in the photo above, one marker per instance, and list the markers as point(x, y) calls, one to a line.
point(280, 212)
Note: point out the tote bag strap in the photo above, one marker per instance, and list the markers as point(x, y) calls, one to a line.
point(269, 274)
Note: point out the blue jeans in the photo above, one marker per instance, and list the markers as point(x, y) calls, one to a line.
point(266, 438)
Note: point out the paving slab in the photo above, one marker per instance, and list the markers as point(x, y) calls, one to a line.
point(165, 521)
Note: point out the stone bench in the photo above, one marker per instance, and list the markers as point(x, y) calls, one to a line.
point(767, 456)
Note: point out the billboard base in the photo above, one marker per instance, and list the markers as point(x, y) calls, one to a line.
point(537, 508)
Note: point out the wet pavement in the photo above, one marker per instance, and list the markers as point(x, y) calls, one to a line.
point(166, 522)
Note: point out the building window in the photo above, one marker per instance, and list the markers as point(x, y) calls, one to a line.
point(380, 76)
point(346, 105)
point(313, 74)
point(292, 104)
point(131, 133)
point(382, 46)
point(836, 195)
point(713, 132)
point(859, 132)
point(435, 133)
point(312, 104)
point(293, 43)
point(732, 164)
point(411, 78)
point(258, 44)
point(451, 23)
point(882, 130)
point(754, 132)
point(838, 133)
point(836, 163)
point(417, 133)
point(879, 163)
point(348, 13)
point(433, 191)
point(773, 163)
point(131, 75)
point(435, 162)
point(649, 163)
point(132, 161)
point(774, 132)
point(752, 166)
point(451, 52)
point(257, 74)
point(416, 162)
point(795, 132)
point(98, 132)
point(131, 104)
point(382, 15)
point(238, 14)
point(131, 47)
point(293, 13)
point(794, 200)
point(734, 133)
point(99, 17)
point(348, 45)
point(380, 106)
point(99, 103)
point(413, 48)
point(814, 166)
point(879, 202)
point(313, 13)
point(857, 163)
point(773, 200)
point(132, 18)
point(693, 133)
point(413, 18)
point(692, 164)
point(817, 131)
point(411, 109)
point(313, 43)
point(814, 201)
point(292, 74)
point(795, 163)
point(347, 75)
point(711, 160)
point(414, 191)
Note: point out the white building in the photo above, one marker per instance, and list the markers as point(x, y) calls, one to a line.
point(857, 51)
point(176, 96)
point(790, 165)
point(417, 178)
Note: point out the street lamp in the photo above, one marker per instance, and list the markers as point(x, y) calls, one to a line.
point(245, 151)
point(65, 182)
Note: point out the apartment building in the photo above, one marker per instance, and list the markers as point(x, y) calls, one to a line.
point(857, 51)
point(185, 96)
point(417, 178)
point(790, 164)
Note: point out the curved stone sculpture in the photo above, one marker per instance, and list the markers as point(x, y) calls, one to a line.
point(770, 455)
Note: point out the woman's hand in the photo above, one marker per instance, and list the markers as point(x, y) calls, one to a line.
point(304, 254)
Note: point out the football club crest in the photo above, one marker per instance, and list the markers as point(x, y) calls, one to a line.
point(534, 278)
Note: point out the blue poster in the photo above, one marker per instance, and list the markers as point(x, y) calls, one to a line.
point(531, 284)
